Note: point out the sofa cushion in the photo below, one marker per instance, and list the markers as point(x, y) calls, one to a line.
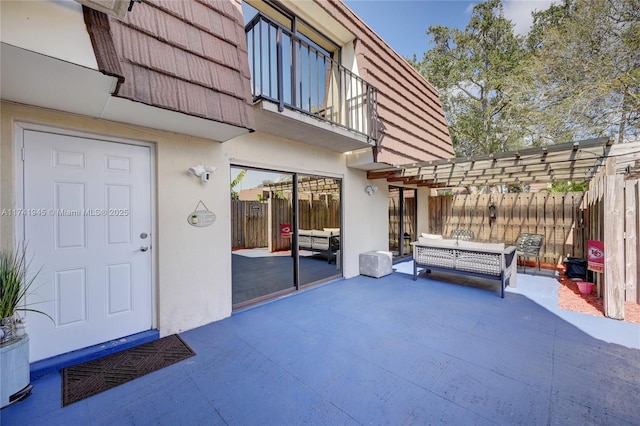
point(438, 242)
point(481, 246)
point(431, 236)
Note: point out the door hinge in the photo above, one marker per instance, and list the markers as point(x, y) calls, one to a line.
point(22, 153)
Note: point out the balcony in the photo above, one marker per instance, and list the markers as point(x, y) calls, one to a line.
point(303, 94)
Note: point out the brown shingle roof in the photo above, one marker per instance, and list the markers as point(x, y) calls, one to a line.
point(408, 105)
point(186, 56)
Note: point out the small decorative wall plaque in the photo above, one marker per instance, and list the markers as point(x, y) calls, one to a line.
point(201, 217)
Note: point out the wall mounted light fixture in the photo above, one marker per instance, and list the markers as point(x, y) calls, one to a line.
point(204, 172)
point(370, 189)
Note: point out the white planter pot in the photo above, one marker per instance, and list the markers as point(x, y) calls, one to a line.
point(14, 371)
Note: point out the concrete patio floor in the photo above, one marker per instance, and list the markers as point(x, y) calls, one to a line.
point(381, 351)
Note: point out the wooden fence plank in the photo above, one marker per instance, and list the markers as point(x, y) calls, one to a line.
point(631, 240)
point(550, 214)
point(614, 247)
point(254, 224)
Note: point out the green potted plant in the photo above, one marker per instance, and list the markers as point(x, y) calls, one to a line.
point(15, 285)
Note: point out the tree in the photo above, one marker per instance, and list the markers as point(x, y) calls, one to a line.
point(582, 78)
point(235, 182)
point(569, 187)
point(471, 69)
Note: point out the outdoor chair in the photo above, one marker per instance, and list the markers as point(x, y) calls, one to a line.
point(529, 245)
point(462, 234)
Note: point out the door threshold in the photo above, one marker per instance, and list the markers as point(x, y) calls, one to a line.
point(56, 363)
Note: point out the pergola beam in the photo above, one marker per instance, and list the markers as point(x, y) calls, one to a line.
point(576, 161)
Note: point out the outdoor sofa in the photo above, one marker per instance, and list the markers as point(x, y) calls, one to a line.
point(326, 240)
point(485, 260)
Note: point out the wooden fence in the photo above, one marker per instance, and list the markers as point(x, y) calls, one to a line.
point(249, 221)
point(557, 216)
point(612, 212)
point(257, 223)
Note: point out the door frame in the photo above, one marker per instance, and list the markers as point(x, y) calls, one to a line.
point(295, 172)
point(401, 213)
point(19, 229)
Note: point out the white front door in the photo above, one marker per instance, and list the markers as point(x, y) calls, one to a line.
point(87, 223)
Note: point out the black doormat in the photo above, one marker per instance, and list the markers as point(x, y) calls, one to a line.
point(87, 379)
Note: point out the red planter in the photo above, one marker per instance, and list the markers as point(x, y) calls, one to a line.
point(585, 287)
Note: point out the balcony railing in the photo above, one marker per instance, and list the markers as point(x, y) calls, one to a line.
point(291, 72)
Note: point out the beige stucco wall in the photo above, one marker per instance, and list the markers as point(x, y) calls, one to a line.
point(192, 276)
point(423, 209)
point(192, 265)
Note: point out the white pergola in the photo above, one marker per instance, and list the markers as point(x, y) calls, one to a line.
point(576, 162)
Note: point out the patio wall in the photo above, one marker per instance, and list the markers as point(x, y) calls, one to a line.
point(557, 216)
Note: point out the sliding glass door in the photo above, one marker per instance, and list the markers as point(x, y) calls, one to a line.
point(402, 220)
point(318, 228)
point(260, 252)
point(285, 232)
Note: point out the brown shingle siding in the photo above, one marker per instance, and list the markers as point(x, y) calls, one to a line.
point(398, 121)
point(194, 105)
point(411, 150)
point(172, 30)
point(408, 105)
point(228, 80)
point(214, 108)
point(181, 56)
point(173, 7)
point(133, 45)
point(416, 111)
point(216, 5)
point(127, 89)
point(199, 71)
point(183, 68)
point(99, 28)
point(229, 29)
point(198, 15)
point(142, 84)
point(230, 56)
point(215, 23)
point(231, 113)
point(212, 47)
point(144, 19)
point(194, 40)
point(162, 58)
point(391, 156)
point(164, 90)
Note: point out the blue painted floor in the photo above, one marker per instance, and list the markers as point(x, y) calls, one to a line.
point(381, 351)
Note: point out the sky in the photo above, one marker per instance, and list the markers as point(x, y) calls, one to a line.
point(403, 23)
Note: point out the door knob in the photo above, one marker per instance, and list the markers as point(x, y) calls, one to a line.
point(144, 248)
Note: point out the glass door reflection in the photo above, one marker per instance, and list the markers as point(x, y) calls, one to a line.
point(319, 228)
point(402, 220)
point(261, 228)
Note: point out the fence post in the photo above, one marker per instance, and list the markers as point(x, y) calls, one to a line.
point(613, 243)
point(631, 240)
